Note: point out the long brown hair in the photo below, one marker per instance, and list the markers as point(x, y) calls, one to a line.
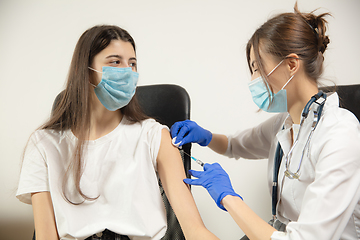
point(73, 108)
point(299, 33)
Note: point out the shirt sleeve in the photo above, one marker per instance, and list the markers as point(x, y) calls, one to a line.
point(34, 173)
point(329, 201)
point(254, 143)
point(154, 136)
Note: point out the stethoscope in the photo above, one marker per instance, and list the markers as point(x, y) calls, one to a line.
point(319, 99)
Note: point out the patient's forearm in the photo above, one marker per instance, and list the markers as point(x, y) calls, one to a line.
point(44, 219)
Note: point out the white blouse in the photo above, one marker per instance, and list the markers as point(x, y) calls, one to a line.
point(120, 169)
point(324, 202)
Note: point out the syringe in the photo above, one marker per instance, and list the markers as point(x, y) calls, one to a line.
point(198, 161)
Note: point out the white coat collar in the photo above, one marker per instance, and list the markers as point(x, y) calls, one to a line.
point(284, 137)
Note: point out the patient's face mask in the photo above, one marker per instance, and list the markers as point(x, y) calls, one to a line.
point(117, 87)
point(261, 98)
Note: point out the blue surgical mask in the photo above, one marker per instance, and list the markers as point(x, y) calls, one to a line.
point(261, 98)
point(117, 87)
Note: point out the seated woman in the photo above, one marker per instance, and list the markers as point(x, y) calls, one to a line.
point(93, 167)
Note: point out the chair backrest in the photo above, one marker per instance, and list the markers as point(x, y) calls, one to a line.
point(349, 96)
point(167, 104)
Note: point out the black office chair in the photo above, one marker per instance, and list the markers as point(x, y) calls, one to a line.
point(167, 104)
point(349, 96)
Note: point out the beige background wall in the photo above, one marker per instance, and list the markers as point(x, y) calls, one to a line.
point(198, 44)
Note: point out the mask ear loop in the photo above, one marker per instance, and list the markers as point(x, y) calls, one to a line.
point(275, 67)
point(270, 74)
point(95, 71)
point(287, 82)
point(289, 79)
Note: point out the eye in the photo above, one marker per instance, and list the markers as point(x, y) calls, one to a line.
point(133, 65)
point(115, 62)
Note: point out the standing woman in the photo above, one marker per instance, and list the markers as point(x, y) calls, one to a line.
point(91, 170)
point(313, 146)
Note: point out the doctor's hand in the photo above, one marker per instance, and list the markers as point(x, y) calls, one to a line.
point(188, 131)
point(215, 180)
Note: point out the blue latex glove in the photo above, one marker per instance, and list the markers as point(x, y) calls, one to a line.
point(188, 131)
point(215, 180)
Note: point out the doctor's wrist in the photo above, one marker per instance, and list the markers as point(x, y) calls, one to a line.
point(229, 200)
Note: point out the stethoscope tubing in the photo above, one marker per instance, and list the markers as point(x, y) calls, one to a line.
point(319, 99)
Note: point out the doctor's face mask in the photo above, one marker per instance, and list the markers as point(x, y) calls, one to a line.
point(261, 97)
point(117, 87)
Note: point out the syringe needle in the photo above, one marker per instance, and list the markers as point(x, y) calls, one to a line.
point(198, 161)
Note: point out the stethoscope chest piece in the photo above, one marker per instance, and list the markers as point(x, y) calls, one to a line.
point(291, 175)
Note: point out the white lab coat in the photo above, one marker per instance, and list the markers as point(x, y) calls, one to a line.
point(324, 202)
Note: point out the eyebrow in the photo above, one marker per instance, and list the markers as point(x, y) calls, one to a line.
point(120, 57)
